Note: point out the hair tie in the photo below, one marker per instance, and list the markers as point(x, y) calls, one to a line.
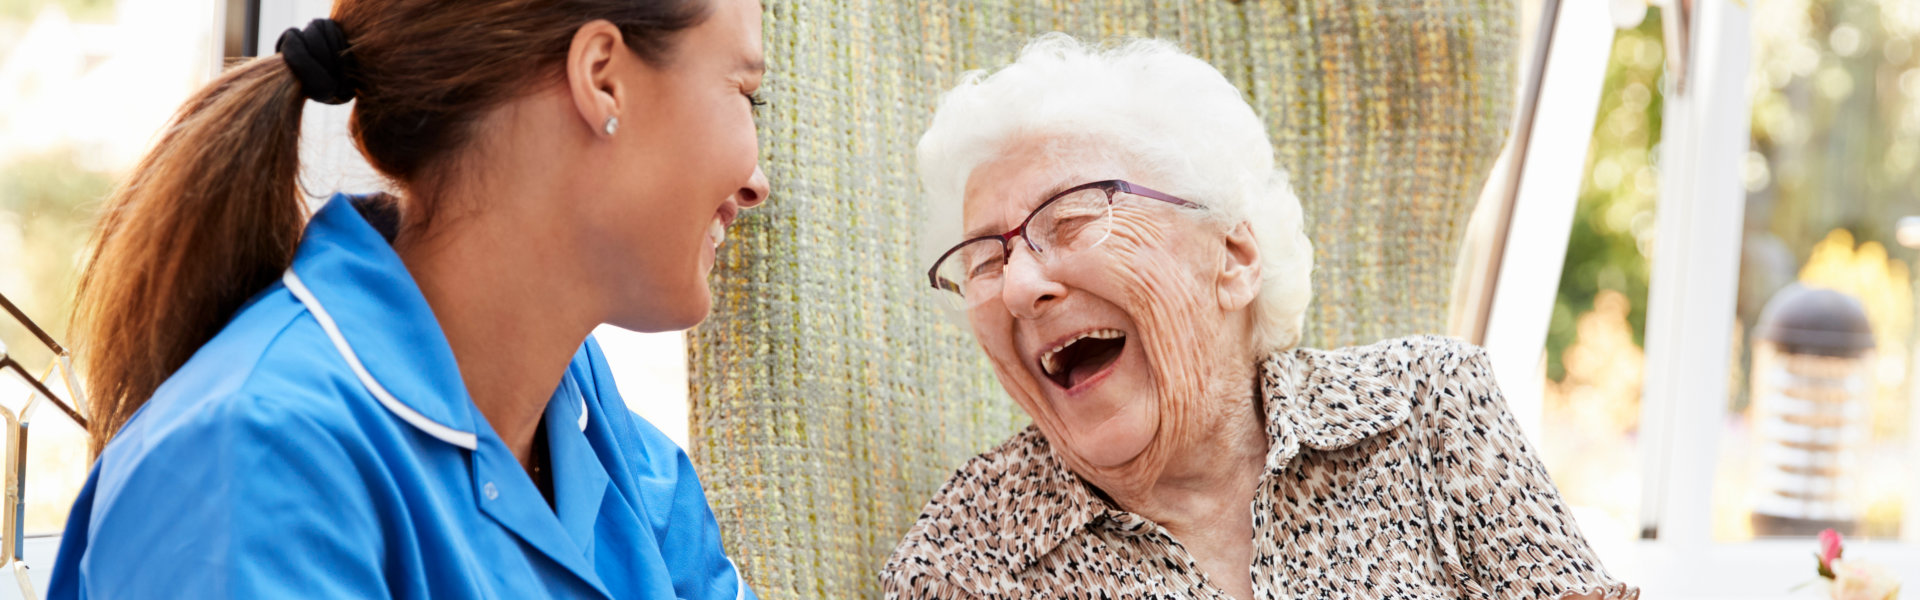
point(317, 57)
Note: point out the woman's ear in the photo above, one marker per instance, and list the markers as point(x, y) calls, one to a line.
point(1239, 280)
point(597, 51)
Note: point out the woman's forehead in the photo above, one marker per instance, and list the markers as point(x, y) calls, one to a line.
point(1021, 178)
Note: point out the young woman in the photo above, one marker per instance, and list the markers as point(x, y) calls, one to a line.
point(398, 395)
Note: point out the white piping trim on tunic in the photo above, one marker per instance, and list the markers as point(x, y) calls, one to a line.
point(406, 413)
point(583, 412)
point(739, 583)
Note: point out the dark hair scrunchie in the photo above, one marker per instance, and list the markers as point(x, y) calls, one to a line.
point(317, 56)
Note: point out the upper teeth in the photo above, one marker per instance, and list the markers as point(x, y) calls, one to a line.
point(1050, 361)
point(717, 231)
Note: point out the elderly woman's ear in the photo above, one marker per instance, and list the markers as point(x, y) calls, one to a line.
point(1239, 281)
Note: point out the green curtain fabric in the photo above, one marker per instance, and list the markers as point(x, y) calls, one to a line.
point(831, 396)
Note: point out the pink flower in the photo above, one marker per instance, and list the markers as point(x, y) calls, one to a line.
point(1829, 550)
point(1859, 580)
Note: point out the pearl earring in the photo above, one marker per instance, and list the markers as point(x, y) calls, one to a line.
point(613, 124)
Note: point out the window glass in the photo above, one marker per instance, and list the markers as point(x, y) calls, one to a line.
point(84, 86)
point(1819, 424)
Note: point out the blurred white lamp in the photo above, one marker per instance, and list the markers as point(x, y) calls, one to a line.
point(1812, 377)
point(1908, 232)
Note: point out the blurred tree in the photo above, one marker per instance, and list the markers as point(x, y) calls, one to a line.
point(1613, 221)
point(1836, 146)
point(46, 208)
point(1836, 118)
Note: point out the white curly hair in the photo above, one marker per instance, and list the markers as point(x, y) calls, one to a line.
point(1164, 110)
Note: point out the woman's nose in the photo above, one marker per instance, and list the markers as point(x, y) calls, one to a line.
point(756, 191)
point(1026, 286)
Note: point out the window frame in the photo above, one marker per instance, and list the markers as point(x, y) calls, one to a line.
point(1695, 275)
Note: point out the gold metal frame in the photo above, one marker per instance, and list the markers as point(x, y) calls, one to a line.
point(13, 507)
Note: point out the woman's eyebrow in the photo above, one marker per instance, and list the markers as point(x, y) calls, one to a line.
point(1060, 186)
point(980, 232)
point(1054, 190)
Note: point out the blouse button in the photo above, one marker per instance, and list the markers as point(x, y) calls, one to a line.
point(490, 491)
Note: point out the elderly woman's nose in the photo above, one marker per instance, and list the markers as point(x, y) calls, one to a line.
point(1027, 288)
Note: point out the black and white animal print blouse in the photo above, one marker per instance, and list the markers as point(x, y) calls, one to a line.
point(1394, 471)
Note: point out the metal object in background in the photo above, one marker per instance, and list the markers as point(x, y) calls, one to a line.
point(62, 359)
point(1812, 380)
point(1517, 146)
point(239, 31)
point(13, 507)
point(1677, 27)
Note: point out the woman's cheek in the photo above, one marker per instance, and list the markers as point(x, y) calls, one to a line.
point(1019, 383)
point(1177, 332)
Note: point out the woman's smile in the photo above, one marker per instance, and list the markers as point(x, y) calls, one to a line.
point(717, 230)
point(1081, 360)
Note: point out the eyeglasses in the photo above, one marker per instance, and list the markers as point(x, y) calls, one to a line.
point(1076, 219)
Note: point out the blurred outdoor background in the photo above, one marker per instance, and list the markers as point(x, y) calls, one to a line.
point(85, 86)
point(1835, 88)
point(1834, 163)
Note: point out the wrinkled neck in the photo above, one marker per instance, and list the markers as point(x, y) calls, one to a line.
point(1206, 480)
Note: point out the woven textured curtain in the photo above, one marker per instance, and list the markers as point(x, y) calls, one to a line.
point(831, 397)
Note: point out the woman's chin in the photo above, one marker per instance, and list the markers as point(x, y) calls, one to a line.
point(1111, 449)
point(653, 317)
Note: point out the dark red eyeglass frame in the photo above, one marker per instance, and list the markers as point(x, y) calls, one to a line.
point(1109, 186)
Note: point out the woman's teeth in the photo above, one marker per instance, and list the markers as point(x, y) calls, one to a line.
point(717, 231)
point(1050, 360)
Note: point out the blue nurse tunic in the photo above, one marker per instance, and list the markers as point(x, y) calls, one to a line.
point(323, 445)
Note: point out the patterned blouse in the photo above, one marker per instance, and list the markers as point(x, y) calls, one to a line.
point(1393, 471)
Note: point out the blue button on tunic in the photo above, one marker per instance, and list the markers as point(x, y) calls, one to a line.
point(323, 446)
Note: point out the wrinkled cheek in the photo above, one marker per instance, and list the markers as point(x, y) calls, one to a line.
point(1027, 391)
point(1010, 371)
point(1020, 385)
point(1175, 332)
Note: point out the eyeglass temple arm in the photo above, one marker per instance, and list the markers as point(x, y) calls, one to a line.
point(1141, 190)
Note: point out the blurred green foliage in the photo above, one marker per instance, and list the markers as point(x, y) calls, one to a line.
point(1836, 119)
point(1613, 221)
point(1836, 145)
point(46, 208)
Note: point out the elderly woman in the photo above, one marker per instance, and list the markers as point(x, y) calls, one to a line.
point(1134, 266)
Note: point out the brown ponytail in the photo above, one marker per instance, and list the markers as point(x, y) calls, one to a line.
point(213, 213)
point(209, 217)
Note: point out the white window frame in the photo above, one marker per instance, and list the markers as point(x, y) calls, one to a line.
point(1696, 267)
point(1690, 310)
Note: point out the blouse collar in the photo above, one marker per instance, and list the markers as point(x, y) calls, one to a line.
point(1316, 399)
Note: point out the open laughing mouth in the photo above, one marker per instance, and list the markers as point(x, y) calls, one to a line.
point(717, 228)
point(1082, 357)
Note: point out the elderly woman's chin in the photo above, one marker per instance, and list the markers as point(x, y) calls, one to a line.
point(1100, 415)
point(1112, 441)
